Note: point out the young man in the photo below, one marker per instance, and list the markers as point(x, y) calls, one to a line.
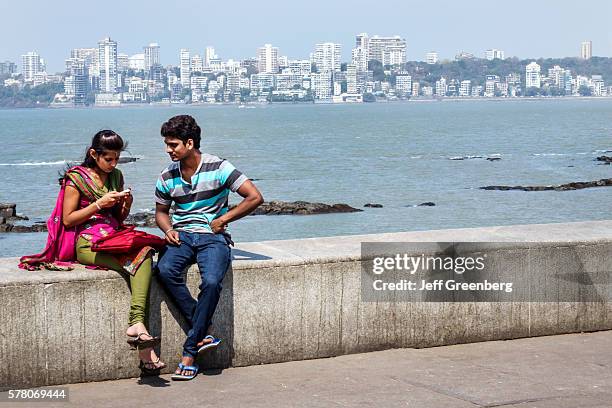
point(199, 185)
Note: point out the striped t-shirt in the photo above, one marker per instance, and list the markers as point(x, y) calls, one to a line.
point(199, 202)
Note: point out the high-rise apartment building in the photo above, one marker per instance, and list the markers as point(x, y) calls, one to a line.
point(123, 62)
point(89, 56)
point(321, 85)
point(465, 88)
point(394, 55)
point(532, 75)
point(387, 49)
point(209, 55)
point(327, 56)
point(441, 87)
point(267, 59)
point(31, 64)
point(586, 50)
point(7, 68)
point(185, 67)
point(362, 41)
point(431, 58)
point(301, 67)
point(360, 54)
point(557, 75)
point(76, 84)
point(107, 61)
point(197, 63)
point(403, 84)
point(598, 85)
point(151, 56)
point(493, 53)
point(491, 84)
point(360, 58)
point(351, 79)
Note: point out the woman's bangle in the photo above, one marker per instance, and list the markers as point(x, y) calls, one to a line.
point(98, 205)
point(171, 229)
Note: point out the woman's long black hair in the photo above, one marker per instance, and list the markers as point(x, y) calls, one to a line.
point(103, 141)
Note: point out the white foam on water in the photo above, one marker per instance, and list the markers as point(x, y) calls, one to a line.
point(54, 163)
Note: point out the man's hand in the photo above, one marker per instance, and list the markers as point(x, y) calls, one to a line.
point(172, 237)
point(218, 225)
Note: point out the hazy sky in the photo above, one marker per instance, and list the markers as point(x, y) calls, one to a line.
point(236, 28)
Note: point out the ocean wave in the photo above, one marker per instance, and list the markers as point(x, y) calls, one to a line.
point(469, 156)
point(551, 154)
point(54, 163)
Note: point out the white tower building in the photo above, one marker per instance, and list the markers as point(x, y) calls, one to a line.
point(185, 66)
point(267, 59)
point(327, 56)
point(151, 54)
point(31, 64)
point(586, 50)
point(532, 75)
point(107, 60)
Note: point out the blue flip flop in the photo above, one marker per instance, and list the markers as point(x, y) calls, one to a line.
point(180, 377)
point(214, 343)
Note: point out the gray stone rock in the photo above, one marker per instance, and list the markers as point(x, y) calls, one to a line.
point(142, 219)
point(604, 159)
point(18, 217)
point(562, 187)
point(128, 159)
point(301, 208)
point(7, 210)
point(372, 205)
point(37, 227)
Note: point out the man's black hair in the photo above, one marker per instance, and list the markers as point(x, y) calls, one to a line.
point(183, 127)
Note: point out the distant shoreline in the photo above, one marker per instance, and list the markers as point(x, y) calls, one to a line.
point(384, 101)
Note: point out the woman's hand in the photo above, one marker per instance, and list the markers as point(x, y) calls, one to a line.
point(128, 199)
point(108, 200)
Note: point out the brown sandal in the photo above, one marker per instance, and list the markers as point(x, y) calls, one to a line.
point(137, 342)
point(149, 370)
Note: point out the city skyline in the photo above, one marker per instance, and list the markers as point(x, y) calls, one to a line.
point(108, 78)
point(458, 27)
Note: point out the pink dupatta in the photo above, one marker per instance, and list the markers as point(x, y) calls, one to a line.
point(59, 253)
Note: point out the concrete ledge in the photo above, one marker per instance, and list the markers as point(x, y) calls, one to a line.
point(282, 301)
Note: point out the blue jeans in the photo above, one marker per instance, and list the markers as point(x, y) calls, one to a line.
point(213, 255)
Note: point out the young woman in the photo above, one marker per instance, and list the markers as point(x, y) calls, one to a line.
point(96, 203)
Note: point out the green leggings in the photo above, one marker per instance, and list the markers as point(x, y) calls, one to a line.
point(139, 282)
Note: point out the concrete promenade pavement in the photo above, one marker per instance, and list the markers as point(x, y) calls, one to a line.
point(573, 370)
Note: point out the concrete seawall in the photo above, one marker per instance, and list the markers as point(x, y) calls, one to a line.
point(290, 300)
